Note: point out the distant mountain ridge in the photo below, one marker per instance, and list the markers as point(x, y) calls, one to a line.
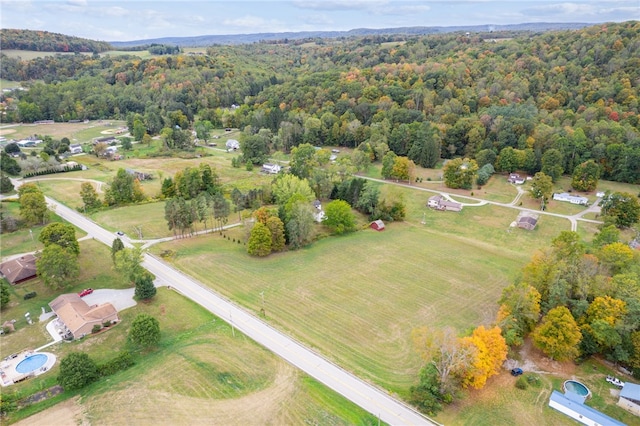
point(207, 40)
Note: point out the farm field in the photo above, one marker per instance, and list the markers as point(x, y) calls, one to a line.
point(76, 132)
point(346, 297)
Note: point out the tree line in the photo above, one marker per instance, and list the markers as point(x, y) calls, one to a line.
point(45, 41)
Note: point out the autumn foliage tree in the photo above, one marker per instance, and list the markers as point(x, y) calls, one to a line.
point(490, 351)
point(558, 335)
point(459, 173)
point(585, 176)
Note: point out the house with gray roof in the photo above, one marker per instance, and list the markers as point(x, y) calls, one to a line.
point(630, 398)
point(573, 199)
point(580, 412)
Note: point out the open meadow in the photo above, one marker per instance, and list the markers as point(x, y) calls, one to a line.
point(76, 132)
point(358, 297)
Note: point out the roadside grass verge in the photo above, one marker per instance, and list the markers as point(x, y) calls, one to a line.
point(149, 216)
point(23, 241)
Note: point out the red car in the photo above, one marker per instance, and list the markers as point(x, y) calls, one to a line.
point(85, 292)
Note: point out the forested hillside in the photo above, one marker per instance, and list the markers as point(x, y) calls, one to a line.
point(502, 98)
point(44, 41)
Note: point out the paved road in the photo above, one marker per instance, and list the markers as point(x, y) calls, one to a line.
point(372, 399)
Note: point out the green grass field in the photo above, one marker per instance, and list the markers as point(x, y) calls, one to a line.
point(346, 297)
point(76, 132)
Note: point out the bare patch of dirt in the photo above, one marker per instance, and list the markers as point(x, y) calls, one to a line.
point(533, 360)
point(66, 413)
point(4, 132)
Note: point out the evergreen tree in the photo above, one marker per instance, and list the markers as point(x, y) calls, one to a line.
point(145, 289)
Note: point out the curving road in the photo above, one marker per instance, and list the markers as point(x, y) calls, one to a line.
point(370, 398)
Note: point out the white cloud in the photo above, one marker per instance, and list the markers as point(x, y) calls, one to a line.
point(340, 4)
point(253, 23)
point(77, 3)
point(113, 11)
point(402, 10)
point(317, 19)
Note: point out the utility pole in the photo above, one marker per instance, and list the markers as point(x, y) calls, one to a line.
point(264, 313)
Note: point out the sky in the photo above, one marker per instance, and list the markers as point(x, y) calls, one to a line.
point(121, 20)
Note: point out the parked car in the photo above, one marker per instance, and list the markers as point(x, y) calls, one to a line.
point(516, 371)
point(119, 233)
point(85, 292)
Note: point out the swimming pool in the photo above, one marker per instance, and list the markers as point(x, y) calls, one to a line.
point(577, 388)
point(31, 363)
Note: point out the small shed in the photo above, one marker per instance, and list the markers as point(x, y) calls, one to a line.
point(378, 225)
point(630, 398)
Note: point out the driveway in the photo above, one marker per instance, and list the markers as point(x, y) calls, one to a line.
point(120, 299)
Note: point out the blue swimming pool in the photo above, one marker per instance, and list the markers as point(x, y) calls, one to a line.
point(576, 387)
point(31, 363)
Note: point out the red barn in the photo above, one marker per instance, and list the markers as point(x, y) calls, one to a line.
point(378, 225)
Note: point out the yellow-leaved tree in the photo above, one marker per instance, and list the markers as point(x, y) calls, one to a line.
point(558, 335)
point(490, 350)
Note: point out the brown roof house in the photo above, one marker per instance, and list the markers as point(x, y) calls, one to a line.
point(77, 319)
point(20, 269)
point(527, 220)
point(439, 202)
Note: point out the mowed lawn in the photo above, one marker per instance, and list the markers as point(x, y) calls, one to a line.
point(357, 298)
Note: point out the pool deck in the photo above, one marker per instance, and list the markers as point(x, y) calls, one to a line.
point(8, 373)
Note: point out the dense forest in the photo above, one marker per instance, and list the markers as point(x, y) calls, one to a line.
point(495, 96)
point(44, 41)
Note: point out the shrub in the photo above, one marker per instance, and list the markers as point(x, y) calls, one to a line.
point(30, 295)
point(533, 380)
point(121, 362)
point(96, 328)
point(521, 383)
point(77, 370)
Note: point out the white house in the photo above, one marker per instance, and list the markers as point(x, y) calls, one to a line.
point(439, 202)
point(516, 179)
point(573, 199)
point(232, 145)
point(273, 169)
point(75, 148)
